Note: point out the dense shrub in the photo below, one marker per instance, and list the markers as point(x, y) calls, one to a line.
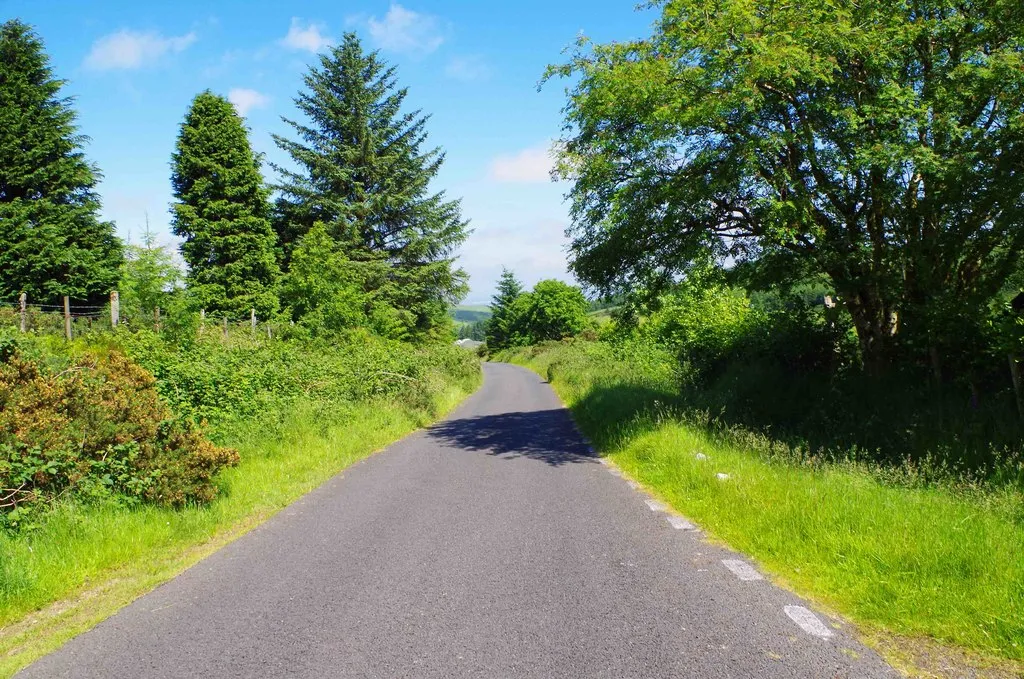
point(95, 427)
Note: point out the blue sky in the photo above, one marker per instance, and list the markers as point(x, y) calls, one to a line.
point(134, 67)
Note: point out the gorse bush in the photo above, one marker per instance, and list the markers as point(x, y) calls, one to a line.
point(95, 428)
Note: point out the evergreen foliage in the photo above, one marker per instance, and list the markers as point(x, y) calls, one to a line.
point(222, 212)
point(364, 172)
point(500, 325)
point(51, 242)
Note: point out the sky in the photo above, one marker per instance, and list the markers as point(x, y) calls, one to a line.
point(133, 68)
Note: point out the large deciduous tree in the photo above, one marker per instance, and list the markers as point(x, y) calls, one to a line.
point(880, 143)
point(363, 170)
point(222, 212)
point(51, 241)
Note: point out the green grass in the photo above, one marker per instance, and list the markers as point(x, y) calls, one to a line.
point(83, 563)
point(927, 561)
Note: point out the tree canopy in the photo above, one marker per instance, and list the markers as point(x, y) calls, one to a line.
point(878, 143)
point(364, 171)
point(222, 212)
point(51, 241)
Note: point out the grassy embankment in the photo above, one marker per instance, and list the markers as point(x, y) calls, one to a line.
point(81, 563)
point(907, 561)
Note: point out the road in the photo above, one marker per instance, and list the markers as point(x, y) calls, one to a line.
point(491, 545)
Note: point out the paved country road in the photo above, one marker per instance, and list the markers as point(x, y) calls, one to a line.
point(491, 545)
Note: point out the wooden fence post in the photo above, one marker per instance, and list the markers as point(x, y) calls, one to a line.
point(115, 309)
point(24, 312)
point(67, 318)
point(156, 319)
point(270, 335)
point(225, 327)
point(252, 319)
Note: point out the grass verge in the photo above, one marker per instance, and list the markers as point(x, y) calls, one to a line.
point(84, 563)
point(928, 562)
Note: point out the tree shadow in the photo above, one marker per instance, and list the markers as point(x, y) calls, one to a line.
point(549, 436)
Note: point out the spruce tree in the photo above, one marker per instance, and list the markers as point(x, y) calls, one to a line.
point(51, 241)
point(222, 212)
point(501, 324)
point(364, 172)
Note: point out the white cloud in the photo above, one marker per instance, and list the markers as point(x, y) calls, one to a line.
point(468, 69)
point(245, 99)
point(529, 166)
point(534, 249)
point(403, 30)
point(133, 49)
point(308, 37)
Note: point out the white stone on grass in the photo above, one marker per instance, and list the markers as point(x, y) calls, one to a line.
point(721, 476)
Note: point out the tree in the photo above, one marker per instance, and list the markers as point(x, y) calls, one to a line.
point(222, 212)
point(365, 174)
point(149, 274)
point(321, 289)
point(553, 310)
point(502, 321)
point(877, 143)
point(51, 242)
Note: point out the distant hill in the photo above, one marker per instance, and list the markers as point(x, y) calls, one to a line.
point(470, 313)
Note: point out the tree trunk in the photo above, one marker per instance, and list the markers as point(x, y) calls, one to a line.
point(876, 324)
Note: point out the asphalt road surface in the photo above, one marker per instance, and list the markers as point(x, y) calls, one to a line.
point(491, 545)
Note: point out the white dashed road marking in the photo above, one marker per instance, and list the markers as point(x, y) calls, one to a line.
point(808, 621)
point(679, 523)
point(655, 506)
point(742, 570)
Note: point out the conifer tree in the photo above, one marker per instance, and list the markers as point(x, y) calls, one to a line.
point(51, 242)
point(222, 212)
point(364, 172)
point(501, 324)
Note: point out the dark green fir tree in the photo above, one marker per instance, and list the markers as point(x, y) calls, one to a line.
point(364, 171)
point(51, 241)
point(222, 212)
point(501, 324)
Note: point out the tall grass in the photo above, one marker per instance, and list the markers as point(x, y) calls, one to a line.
point(899, 549)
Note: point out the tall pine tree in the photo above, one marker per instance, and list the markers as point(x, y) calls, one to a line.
point(223, 212)
point(501, 324)
point(364, 172)
point(51, 242)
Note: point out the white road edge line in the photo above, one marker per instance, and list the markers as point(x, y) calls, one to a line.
point(808, 621)
point(654, 505)
point(742, 570)
point(679, 523)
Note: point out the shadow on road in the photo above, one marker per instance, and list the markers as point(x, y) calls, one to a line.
point(545, 435)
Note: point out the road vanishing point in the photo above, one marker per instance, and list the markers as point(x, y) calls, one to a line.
point(493, 544)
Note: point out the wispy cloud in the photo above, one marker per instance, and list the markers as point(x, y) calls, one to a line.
point(127, 50)
point(308, 36)
point(245, 99)
point(403, 30)
point(468, 69)
point(529, 166)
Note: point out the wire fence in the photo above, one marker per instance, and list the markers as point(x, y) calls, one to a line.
point(73, 320)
